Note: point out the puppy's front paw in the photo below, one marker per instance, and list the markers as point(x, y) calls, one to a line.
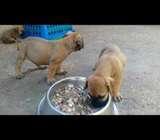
point(117, 98)
point(20, 76)
point(50, 82)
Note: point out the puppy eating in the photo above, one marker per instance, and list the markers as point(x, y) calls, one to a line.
point(44, 52)
point(108, 74)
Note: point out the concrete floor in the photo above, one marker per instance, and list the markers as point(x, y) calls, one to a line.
point(141, 85)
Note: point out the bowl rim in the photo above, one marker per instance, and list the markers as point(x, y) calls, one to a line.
point(73, 78)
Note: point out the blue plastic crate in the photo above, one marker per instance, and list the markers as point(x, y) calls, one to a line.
point(49, 32)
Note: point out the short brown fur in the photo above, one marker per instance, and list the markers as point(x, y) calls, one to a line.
point(108, 73)
point(52, 53)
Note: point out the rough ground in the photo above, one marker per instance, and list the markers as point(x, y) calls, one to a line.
point(141, 85)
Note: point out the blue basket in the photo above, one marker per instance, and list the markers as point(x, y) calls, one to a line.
point(49, 32)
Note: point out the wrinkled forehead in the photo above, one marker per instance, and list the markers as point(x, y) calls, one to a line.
point(97, 87)
point(76, 35)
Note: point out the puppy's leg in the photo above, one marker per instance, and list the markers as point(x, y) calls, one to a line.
point(60, 71)
point(19, 62)
point(52, 68)
point(116, 89)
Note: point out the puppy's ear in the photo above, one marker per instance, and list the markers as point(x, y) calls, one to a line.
point(86, 85)
point(108, 81)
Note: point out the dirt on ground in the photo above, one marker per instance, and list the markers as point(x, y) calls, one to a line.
point(140, 87)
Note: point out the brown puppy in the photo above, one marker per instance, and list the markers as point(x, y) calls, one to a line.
point(108, 74)
point(11, 35)
point(44, 52)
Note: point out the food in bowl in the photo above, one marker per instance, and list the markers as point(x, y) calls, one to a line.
point(73, 100)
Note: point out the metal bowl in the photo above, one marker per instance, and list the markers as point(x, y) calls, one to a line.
point(45, 106)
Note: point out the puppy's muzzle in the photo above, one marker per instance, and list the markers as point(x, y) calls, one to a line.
point(99, 101)
point(80, 44)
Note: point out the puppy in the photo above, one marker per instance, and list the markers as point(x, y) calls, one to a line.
point(108, 74)
point(44, 52)
point(11, 35)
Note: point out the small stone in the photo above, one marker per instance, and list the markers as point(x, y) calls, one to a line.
point(83, 113)
point(69, 110)
point(70, 86)
point(28, 100)
point(76, 113)
point(67, 91)
point(70, 100)
point(73, 109)
point(75, 100)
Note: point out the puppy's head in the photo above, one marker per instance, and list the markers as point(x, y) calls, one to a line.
point(19, 29)
point(77, 41)
point(99, 87)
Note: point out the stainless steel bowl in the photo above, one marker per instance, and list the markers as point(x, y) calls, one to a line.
point(45, 106)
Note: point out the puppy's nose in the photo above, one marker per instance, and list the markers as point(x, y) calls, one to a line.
point(80, 43)
point(98, 101)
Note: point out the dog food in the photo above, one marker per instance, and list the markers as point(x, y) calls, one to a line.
point(72, 101)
